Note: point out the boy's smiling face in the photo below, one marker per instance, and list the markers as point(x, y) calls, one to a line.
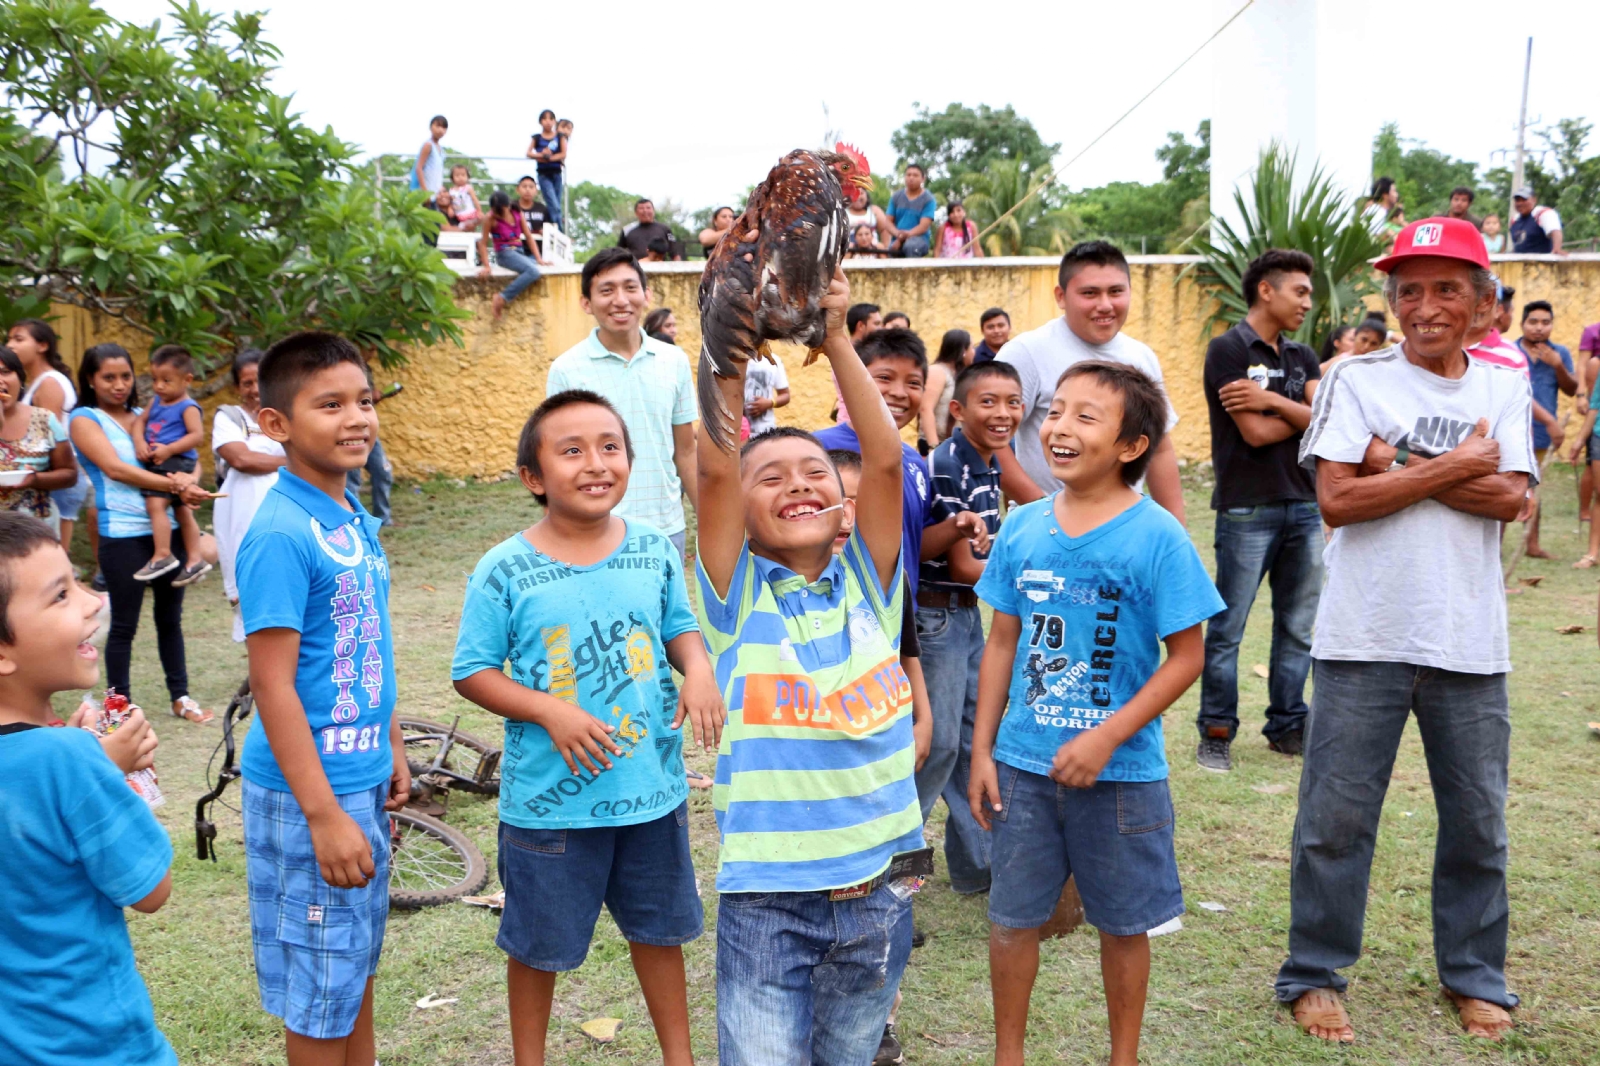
point(900, 382)
point(788, 485)
point(1080, 434)
point(53, 620)
point(992, 412)
point(583, 462)
point(332, 421)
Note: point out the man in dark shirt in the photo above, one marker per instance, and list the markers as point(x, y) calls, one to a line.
point(1259, 386)
point(996, 327)
point(636, 236)
point(534, 210)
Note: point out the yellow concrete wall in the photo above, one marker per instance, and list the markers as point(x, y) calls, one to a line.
point(463, 407)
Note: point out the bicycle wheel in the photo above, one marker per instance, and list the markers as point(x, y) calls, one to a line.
point(431, 863)
point(474, 759)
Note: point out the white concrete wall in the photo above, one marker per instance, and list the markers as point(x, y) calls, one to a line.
point(1291, 71)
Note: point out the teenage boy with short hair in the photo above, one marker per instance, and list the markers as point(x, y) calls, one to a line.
point(1068, 763)
point(911, 213)
point(535, 212)
point(985, 412)
point(1259, 383)
point(1550, 373)
point(1093, 291)
point(427, 173)
point(325, 758)
point(593, 613)
point(646, 380)
point(862, 320)
point(814, 792)
point(995, 325)
point(80, 844)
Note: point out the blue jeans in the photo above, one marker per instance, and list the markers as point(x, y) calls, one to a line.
point(803, 981)
point(1283, 542)
point(382, 476)
point(914, 247)
point(550, 189)
point(1358, 712)
point(952, 648)
point(527, 271)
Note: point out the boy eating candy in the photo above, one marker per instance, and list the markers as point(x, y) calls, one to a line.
point(325, 758)
point(814, 794)
point(592, 612)
point(1068, 765)
point(81, 844)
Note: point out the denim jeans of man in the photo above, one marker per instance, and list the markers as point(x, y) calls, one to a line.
point(381, 474)
point(550, 189)
point(805, 981)
point(1282, 542)
point(1358, 713)
point(952, 648)
point(915, 247)
point(527, 271)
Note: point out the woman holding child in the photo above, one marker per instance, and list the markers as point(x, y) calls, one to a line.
point(33, 448)
point(102, 432)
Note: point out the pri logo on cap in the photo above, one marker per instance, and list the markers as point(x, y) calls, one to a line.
point(1427, 235)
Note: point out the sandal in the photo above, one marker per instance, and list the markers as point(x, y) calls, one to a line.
point(1480, 1018)
point(185, 707)
point(1584, 563)
point(1320, 1012)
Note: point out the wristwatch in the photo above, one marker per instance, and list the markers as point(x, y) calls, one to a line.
point(1402, 453)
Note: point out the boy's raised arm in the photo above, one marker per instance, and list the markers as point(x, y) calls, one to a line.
point(879, 506)
point(720, 507)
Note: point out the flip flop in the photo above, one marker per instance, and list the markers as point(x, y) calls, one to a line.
point(1480, 1018)
point(1320, 1013)
point(1584, 563)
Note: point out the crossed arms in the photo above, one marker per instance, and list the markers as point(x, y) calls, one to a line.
point(1467, 478)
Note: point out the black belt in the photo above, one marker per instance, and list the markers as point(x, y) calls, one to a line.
point(940, 599)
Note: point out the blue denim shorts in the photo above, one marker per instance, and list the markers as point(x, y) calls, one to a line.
point(70, 500)
point(1115, 837)
point(315, 945)
point(556, 879)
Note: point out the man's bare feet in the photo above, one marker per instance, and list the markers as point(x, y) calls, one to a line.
point(1320, 1012)
point(1480, 1018)
point(1539, 553)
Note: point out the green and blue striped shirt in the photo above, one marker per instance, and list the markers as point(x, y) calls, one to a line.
point(814, 787)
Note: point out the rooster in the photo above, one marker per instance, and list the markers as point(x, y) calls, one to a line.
point(768, 273)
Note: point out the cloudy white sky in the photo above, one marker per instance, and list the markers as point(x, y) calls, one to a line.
point(694, 101)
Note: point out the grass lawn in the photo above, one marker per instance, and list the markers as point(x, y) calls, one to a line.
point(1211, 988)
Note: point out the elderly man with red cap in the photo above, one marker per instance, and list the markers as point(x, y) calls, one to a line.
point(1420, 454)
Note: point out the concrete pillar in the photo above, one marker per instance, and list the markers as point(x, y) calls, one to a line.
point(1294, 71)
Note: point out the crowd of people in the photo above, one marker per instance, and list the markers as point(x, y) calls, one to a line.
point(1535, 227)
point(834, 655)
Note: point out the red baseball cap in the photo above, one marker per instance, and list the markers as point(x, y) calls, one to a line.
point(1445, 238)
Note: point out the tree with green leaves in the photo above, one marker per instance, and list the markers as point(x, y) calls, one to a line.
point(960, 142)
point(1159, 216)
point(1029, 223)
point(1311, 216)
point(1424, 176)
point(148, 173)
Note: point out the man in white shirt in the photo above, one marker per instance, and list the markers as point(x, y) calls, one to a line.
point(648, 382)
point(1420, 452)
point(1094, 294)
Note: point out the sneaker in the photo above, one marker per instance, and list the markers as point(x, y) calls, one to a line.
point(156, 568)
point(890, 1053)
point(98, 582)
point(1213, 754)
point(191, 574)
point(1291, 744)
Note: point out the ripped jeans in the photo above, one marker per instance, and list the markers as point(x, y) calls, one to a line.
point(804, 981)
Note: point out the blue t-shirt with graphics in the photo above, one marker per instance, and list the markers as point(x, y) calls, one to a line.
point(1094, 610)
point(311, 565)
point(594, 636)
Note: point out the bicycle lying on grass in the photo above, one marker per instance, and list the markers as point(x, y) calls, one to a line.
point(430, 863)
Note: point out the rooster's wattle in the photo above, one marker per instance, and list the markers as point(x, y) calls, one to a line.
point(767, 275)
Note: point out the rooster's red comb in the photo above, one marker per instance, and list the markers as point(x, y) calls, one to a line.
point(855, 156)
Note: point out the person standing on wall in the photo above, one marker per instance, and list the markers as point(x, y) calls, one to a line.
point(1259, 385)
point(427, 173)
point(1421, 453)
point(1094, 293)
point(549, 147)
point(1537, 229)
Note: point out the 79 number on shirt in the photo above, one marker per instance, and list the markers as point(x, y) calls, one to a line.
point(342, 740)
point(1050, 629)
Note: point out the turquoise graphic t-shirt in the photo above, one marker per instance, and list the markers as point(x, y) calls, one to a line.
point(1094, 610)
point(594, 636)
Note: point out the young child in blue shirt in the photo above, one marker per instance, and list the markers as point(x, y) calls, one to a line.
point(80, 844)
point(592, 612)
point(165, 439)
point(324, 759)
point(1069, 769)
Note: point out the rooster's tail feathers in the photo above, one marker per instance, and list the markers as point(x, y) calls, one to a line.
point(714, 414)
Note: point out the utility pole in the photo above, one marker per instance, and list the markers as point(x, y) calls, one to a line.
point(1522, 130)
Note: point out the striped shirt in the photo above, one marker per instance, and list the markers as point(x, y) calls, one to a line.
point(814, 786)
point(962, 481)
point(654, 392)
